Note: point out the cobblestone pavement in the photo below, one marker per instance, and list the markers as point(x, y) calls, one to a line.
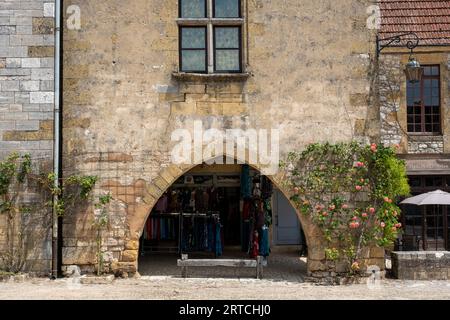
point(284, 279)
point(280, 267)
point(164, 288)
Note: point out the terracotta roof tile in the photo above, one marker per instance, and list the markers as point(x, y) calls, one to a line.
point(429, 19)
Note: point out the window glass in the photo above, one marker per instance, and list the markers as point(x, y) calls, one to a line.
point(227, 53)
point(193, 9)
point(193, 49)
point(227, 60)
point(193, 38)
point(227, 38)
point(435, 71)
point(226, 8)
point(193, 60)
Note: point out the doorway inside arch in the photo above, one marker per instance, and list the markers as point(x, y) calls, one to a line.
point(225, 211)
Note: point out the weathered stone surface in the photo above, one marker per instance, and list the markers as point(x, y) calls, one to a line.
point(41, 51)
point(130, 255)
point(421, 265)
point(43, 25)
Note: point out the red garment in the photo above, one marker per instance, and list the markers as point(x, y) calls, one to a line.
point(246, 209)
point(255, 247)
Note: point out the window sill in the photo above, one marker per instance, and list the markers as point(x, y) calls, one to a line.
point(186, 76)
point(417, 137)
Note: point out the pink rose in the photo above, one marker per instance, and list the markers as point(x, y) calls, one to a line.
point(395, 213)
point(364, 215)
point(354, 225)
point(372, 210)
point(325, 214)
point(394, 229)
point(398, 225)
point(373, 147)
point(332, 207)
point(344, 206)
point(296, 190)
point(382, 224)
point(358, 188)
point(355, 218)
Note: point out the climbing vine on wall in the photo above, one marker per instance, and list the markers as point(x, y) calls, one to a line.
point(22, 215)
point(69, 192)
point(349, 191)
point(14, 172)
point(100, 224)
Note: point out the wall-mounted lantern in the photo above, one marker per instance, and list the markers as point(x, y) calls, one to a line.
point(413, 70)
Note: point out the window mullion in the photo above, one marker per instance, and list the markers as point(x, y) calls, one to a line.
point(210, 37)
point(210, 47)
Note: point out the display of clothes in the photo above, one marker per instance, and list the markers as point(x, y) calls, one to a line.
point(256, 214)
point(205, 218)
point(202, 233)
point(160, 228)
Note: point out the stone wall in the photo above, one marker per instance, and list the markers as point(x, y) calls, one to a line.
point(27, 90)
point(392, 90)
point(309, 66)
point(421, 265)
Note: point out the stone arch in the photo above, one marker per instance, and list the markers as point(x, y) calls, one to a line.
point(167, 177)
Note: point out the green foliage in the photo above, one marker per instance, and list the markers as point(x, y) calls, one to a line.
point(101, 221)
point(14, 173)
point(73, 188)
point(349, 191)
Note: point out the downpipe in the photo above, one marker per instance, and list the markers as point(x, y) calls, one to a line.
point(56, 138)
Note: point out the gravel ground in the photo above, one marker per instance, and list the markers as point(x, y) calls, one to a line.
point(160, 279)
point(163, 288)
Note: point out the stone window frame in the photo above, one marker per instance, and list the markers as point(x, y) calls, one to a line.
point(210, 22)
point(422, 107)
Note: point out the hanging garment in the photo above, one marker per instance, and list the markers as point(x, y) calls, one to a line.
point(245, 235)
point(259, 214)
point(266, 188)
point(246, 183)
point(264, 247)
point(213, 199)
point(255, 245)
point(219, 236)
point(161, 205)
point(246, 209)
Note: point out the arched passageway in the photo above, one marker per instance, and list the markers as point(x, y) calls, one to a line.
point(227, 211)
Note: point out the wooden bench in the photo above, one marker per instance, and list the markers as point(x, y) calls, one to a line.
point(186, 263)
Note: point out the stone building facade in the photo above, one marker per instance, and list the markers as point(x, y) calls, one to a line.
point(306, 70)
point(27, 103)
point(417, 116)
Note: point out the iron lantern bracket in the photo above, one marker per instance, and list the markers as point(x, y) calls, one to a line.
point(411, 44)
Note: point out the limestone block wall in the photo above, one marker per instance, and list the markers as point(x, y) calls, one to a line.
point(310, 66)
point(27, 91)
point(392, 88)
point(421, 265)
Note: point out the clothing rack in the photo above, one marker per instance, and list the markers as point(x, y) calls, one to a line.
point(154, 245)
point(210, 239)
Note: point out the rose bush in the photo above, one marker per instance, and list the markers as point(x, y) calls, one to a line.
point(349, 190)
